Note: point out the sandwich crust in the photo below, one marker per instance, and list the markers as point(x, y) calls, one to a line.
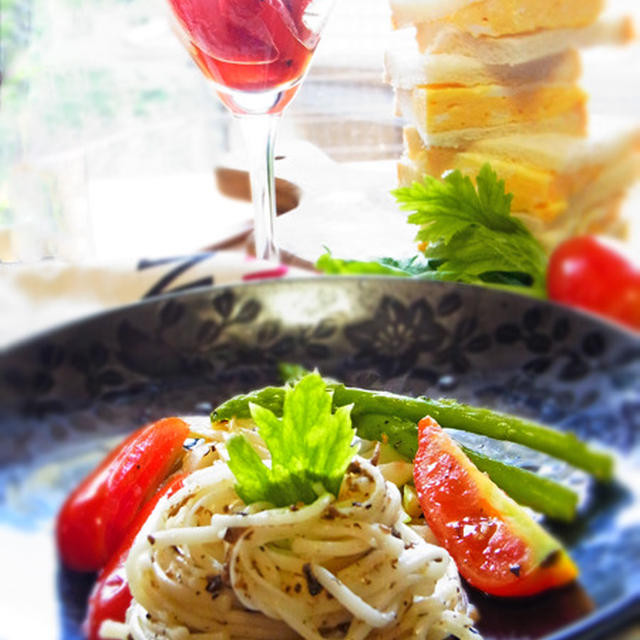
point(497, 18)
point(406, 67)
point(445, 37)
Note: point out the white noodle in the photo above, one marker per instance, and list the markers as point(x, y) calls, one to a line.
point(208, 567)
point(351, 601)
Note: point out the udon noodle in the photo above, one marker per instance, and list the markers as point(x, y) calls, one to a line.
point(208, 567)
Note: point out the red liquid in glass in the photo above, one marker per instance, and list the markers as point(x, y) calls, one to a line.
point(248, 45)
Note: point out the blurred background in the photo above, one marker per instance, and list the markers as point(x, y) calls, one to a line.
point(105, 120)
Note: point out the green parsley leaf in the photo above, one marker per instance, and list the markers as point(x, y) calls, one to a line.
point(415, 266)
point(471, 232)
point(291, 373)
point(310, 446)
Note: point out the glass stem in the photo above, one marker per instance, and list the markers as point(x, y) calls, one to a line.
point(259, 132)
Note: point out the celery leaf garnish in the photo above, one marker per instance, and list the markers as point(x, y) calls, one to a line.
point(310, 446)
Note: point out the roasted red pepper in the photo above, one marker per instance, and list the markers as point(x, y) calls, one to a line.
point(98, 514)
point(110, 597)
point(497, 546)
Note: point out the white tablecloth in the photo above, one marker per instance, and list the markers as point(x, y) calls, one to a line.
point(40, 295)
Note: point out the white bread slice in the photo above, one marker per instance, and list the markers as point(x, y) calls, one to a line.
point(580, 216)
point(404, 12)
point(608, 140)
point(443, 37)
point(497, 18)
point(616, 177)
point(406, 67)
point(547, 166)
point(602, 219)
point(606, 219)
point(542, 192)
point(454, 117)
point(596, 209)
point(568, 185)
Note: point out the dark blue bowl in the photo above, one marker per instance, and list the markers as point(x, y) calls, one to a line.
point(66, 394)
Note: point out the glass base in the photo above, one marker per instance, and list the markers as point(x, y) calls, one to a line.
point(255, 103)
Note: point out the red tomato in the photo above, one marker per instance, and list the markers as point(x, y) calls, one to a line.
point(97, 515)
point(110, 597)
point(497, 546)
point(594, 274)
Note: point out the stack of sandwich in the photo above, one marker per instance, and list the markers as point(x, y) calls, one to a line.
point(497, 81)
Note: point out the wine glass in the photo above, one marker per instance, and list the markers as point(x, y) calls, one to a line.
point(256, 53)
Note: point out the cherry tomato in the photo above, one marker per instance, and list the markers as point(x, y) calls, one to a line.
point(110, 597)
point(497, 546)
point(593, 273)
point(97, 515)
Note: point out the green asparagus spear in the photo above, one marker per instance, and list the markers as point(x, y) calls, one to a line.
point(563, 445)
point(529, 489)
point(526, 488)
point(271, 398)
point(454, 415)
point(399, 433)
point(449, 414)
